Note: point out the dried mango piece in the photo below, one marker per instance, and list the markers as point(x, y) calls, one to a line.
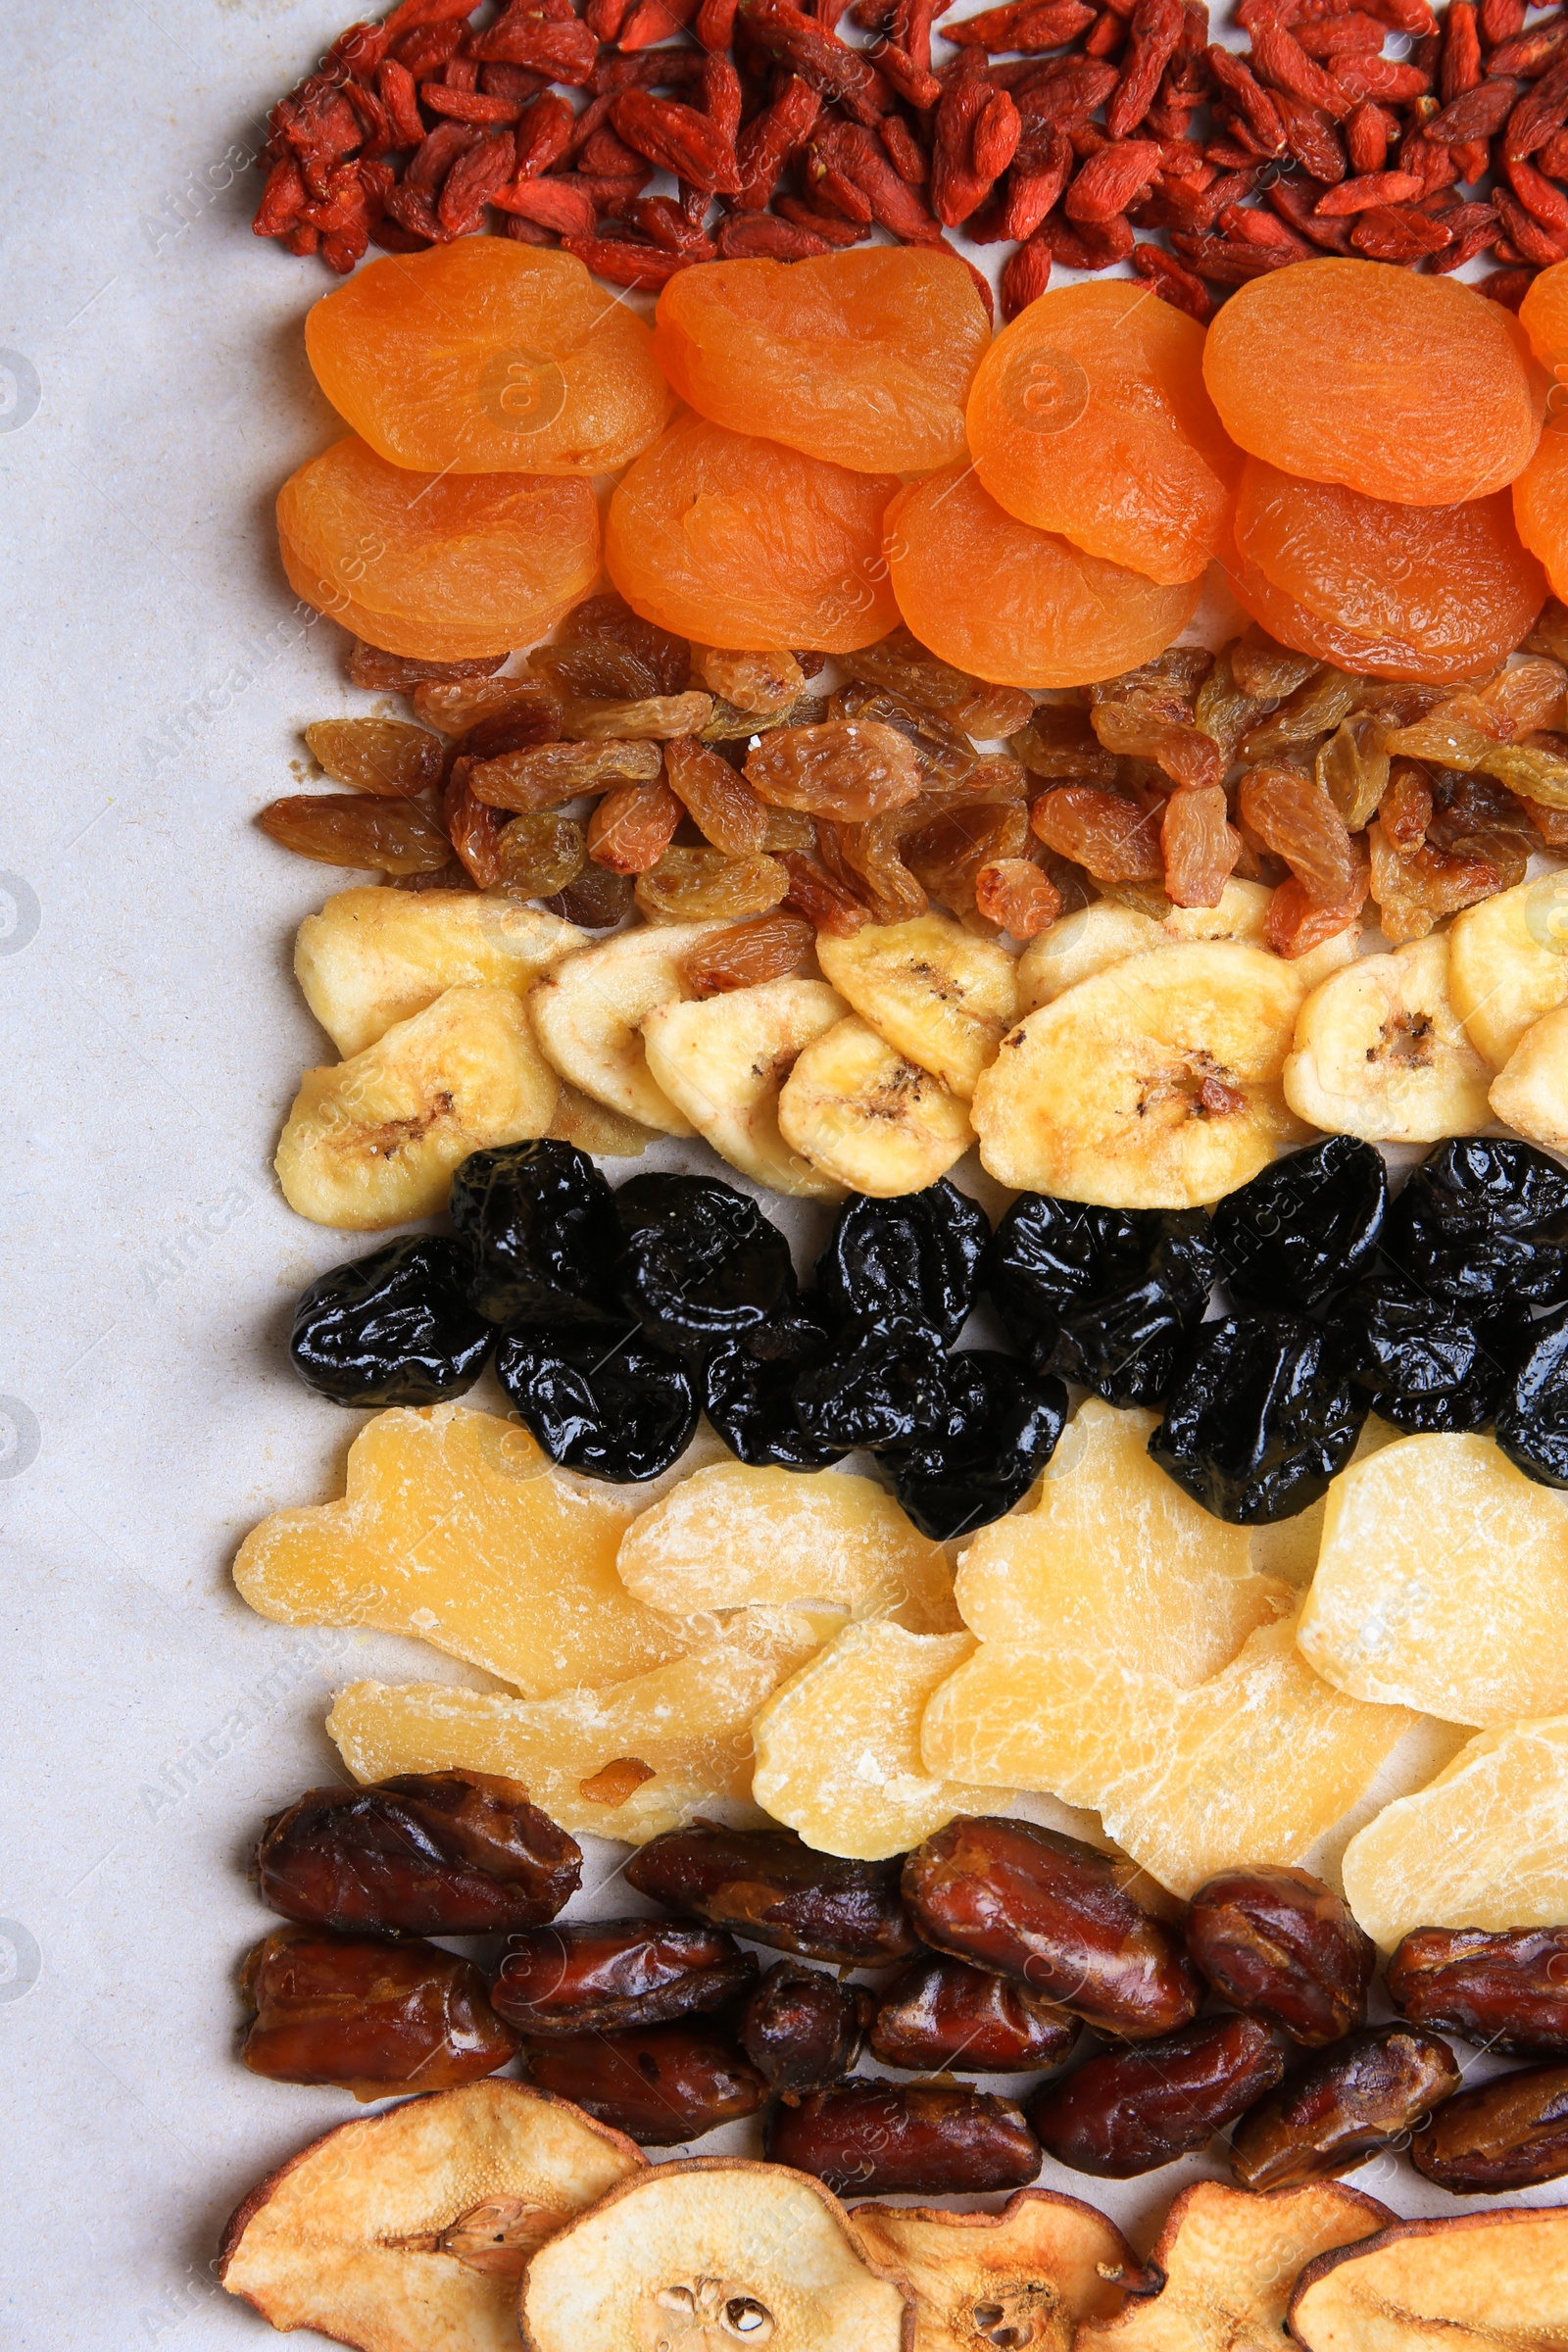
point(375, 956)
point(1485, 1845)
point(838, 1746)
point(732, 1536)
point(456, 1527)
point(1443, 1584)
point(629, 1759)
point(1024, 2277)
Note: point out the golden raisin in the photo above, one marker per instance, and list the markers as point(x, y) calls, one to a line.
point(632, 827)
point(1198, 846)
point(848, 769)
point(392, 837)
point(722, 805)
point(766, 948)
point(1108, 836)
point(696, 885)
point(553, 772)
point(1017, 897)
point(539, 855)
point(381, 755)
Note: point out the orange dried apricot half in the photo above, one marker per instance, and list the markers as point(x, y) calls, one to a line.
point(739, 542)
point(1015, 606)
point(862, 358)
point(1400, 591)
point(440, 567)
point(1090, 416)
point(1540, 504)
point(1413, 389)
point(486, 356)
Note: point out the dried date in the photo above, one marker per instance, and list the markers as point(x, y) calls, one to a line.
point(868, 2138)
point(660, 2084)
point(1353, 2098)
point(1506, 1989)
point(368, 2017)
point(1510, 2134)
point(802, 2028)
point(1127, 2112)
point(942, 2015)
point(773, 1889)
point(1276, 1942)
point(607, 1975)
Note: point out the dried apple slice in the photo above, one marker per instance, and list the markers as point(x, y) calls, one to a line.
point(1485, 1845)
point(707, 2254)
point(1230, 2260)
point(628, 1761)
point(1027, 2275)
point(1443, 1584)
point(456, 1527)
point(1473, 2282)
point(732, 1534)
point(375, 956)
point(411, 2227)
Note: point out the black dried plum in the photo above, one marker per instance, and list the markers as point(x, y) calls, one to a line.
point(699, 1261)
point(1304, 1228)
point(393, 1328)
point(998, 1431)
point(917, 1257)
point(598, 1398)
point(1482, 1218)
point(1106, 1297)
point(881, 1383)
point(749, 1387)
point(541, 1222)
point(1532, 1417)
point(1427, 1363)
point(1258, 1420)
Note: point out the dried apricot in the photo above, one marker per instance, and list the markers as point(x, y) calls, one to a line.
point(1396, 590)
point(739, 542)
point(1412, 389)
point(488, 357)
point(863, 358)
point(1015, 606)
point(1541, 505)
point(1089, 416)
point(440, 567)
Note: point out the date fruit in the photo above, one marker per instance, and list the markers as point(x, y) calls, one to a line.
point(440, 1853)
point(1506, 1990)
point(870, 2138)
point(604, 1975)
point(772, 1887)
point(1129, 2111)
point(370, 2018)
point(943, 2016)
point(1342, 2106)
point(803, 2029)
point(1054, 1915)
point(1509, 2133)
point(660, 2084)
point(1276, 1942)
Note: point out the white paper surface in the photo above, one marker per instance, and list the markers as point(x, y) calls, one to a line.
point(153, 394)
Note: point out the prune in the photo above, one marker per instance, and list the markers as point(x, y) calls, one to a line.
point(1510, 2134)
point(1258, 1419)
point(660, 2084)
point(1304, 1228)
point(1532, 1417)
point(540, 1220)
point(883, 1383)
point(393, 1328)
point(1340, 2106)
point(368, 2017)
point(1106, 1297)
point(1128, 2111)
point(440, 1853)
point(1054, 1915)
point(602, 1975)
point(917, 1257)
point(997, 1432)
point(1427, 1363)
point(749, 1387)
point(1276, 1942)
point(803, 2029)
point(699, 1261)
point(868, 2139)
point(1506, 1990)
point(773, 1889)
point(598, 1398)
point(1484, 1218)
point(944, 2014)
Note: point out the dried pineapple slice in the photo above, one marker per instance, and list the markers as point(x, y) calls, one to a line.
point(454, 1527)
point(374, 1142)
point(1443, 1584)
point(375, 956)
point(732, 1536)
point(867, 1118)
point(722, 1062)
point(1508, 964)
point(1485, 1845)
point(630, 1759)
point(1530, 1093)
point(1381, 1052)
point(588, 1013)
point(838, 1746)
point(937, 995)
point(1025, 2276)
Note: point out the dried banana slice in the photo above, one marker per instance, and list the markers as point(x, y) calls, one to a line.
point(1530, 1093)
point(722, 1060)
point(1107, 933)
point(1154, 1084)
point(374, 1142)
point(1381, 1052)
point(589, 1011)
point(1508, 964)
point(937, 995)
point(868, 1119)
point(375, 956)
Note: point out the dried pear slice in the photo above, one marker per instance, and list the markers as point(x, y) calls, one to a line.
point(410, 2229)
point(709, 2254)
point(1026, 2276)
point(722, 1060)
point(1230, 2259)
point(373, 957)
point(734, 1534)
point(373, 1142)
point(588, 1013)
point(936, 994)
point(1485, 1845)
point(629, 1760)
point(454, 1527)
point(1443, 1584)
point(1472, 2282)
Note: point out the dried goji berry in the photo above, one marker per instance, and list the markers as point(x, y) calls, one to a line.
point(1108, 183)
